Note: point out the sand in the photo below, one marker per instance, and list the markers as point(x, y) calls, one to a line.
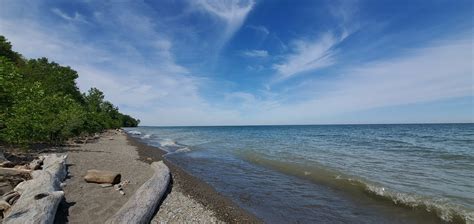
point(189, 200)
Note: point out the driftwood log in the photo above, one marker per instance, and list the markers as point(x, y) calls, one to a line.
point(36, 164)
point(40, 196)
point(4, 162)
point(102, 177)
point(142, 205)
point(13, 171)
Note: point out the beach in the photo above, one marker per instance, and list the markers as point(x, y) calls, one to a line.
point(189, 200)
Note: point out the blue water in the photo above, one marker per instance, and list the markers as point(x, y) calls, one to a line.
point(332, 173)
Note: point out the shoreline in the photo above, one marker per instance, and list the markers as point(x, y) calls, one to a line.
point(224, 208)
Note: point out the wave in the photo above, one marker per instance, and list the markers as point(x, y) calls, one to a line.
point(173, 147)
point(168, 142)
point(360, 189)
point(442, 208)
point(134, 132)
point(147, 136)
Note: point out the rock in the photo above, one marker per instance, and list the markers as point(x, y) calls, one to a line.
point(102, 177)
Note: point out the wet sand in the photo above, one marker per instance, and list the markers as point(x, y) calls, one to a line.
point(188, 185)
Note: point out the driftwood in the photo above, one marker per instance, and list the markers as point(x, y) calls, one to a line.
point(13, 171)
point(141, 206)
point(102, 177)
point(4, 162)
point(11, 197)
point(36, 164)
point(40, 196)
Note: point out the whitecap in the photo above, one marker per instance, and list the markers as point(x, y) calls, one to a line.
point(134, 132)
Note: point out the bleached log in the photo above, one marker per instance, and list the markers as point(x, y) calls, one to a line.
point(102, 177)
point(40, 196)
point(13, 171)
point(142, 205)
point(36, 164)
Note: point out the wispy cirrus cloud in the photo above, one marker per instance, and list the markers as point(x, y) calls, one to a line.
point(157, 60)
point(141, 82)
point(439, 71)
point(75, 18)
point(308, 56)
point(231, 12)
point(255, 53)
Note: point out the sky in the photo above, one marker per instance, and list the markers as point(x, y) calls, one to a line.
point(260, 62)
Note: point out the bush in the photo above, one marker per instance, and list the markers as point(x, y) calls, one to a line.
point(40, 102)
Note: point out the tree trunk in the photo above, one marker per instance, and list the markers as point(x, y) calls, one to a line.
point(40, 196)
point(142, 205)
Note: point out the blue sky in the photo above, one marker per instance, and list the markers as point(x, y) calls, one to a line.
point(229, 62)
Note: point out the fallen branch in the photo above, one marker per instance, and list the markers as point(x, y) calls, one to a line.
point(141, 206)
point(40, 196)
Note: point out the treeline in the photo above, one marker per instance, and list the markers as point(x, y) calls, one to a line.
point(41, 103)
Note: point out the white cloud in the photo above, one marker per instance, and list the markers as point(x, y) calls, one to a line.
point(152, 87)
point(317, 53)
point(442, 71)
point(255, 53)
point(231, 12)
point(308, 55)
point(76, 18)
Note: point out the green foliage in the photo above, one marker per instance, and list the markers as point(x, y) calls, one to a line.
point(7, 52)
point(40, 102)
point(58, 79)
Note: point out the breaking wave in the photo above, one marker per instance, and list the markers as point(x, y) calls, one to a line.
point(167, 142)
point(441, 207)
point(147, 136)
point(134, 132)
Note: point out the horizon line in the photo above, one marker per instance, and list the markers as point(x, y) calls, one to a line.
point(322, 124)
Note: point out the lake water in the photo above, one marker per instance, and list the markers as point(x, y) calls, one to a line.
point(417, 173)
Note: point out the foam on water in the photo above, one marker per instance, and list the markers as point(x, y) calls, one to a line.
point(441, 207)
point(134, 132)
point(446, 210)
point(167, 142)
point(147, 136)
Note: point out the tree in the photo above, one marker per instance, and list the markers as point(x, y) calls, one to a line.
point(58, 79)
point(7, 52)
point(10, 83)
point(40, 102)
